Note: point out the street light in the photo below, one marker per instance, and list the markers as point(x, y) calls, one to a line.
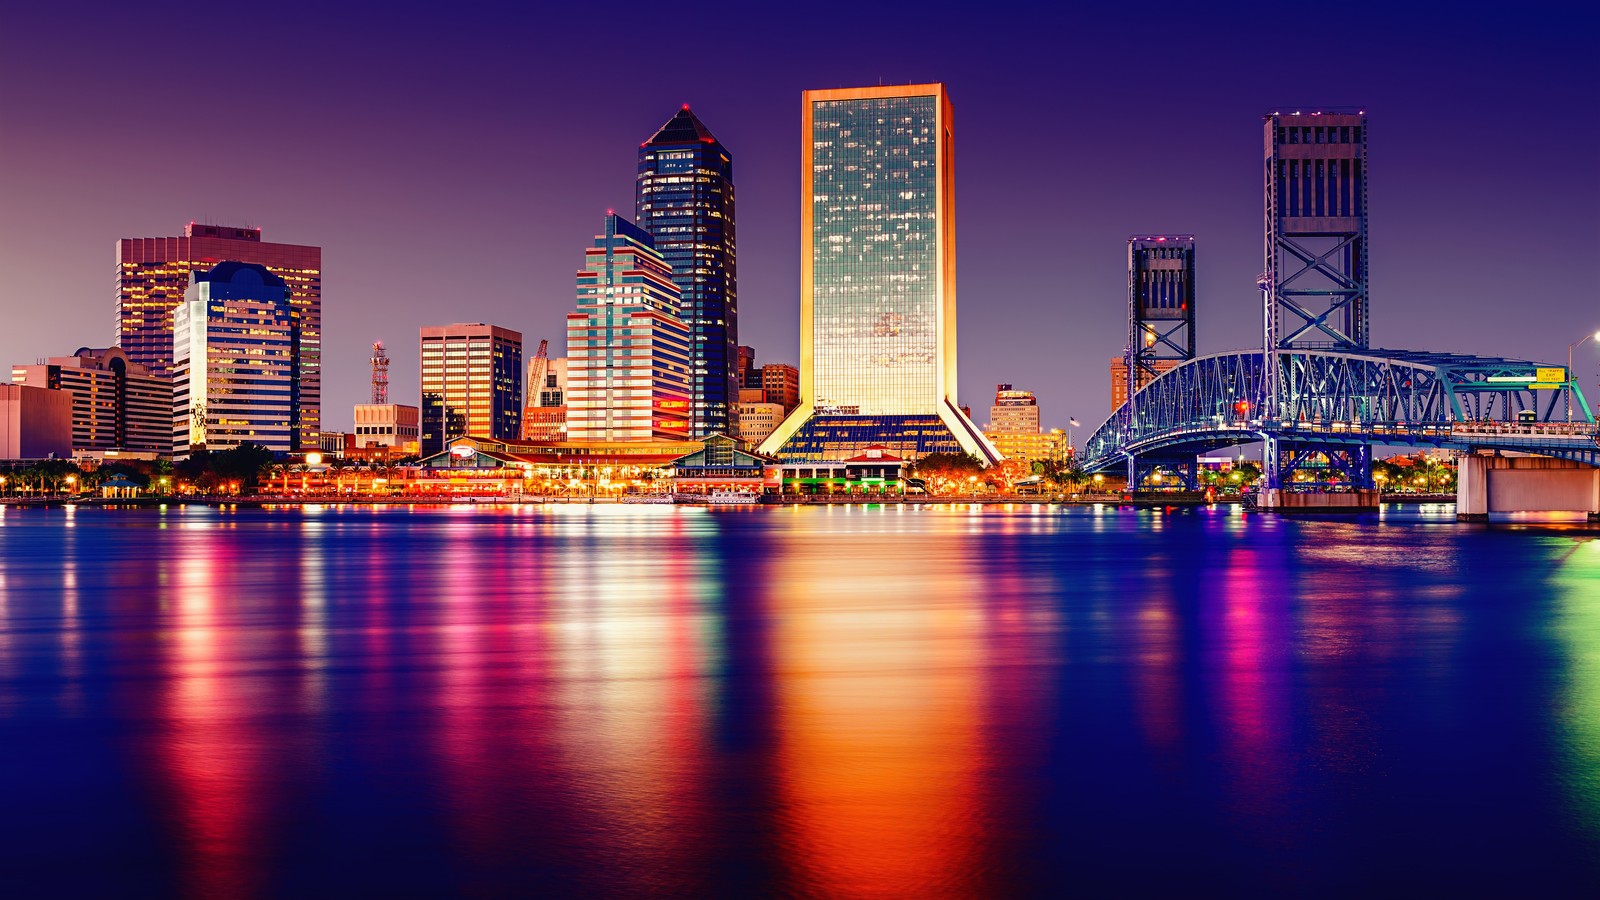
point(1570, 377)
point(1071, 424)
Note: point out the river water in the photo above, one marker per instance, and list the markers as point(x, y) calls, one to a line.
point(939, 701)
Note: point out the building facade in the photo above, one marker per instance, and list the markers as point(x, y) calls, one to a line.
point(392, 425)
point(1035, 446)
point(1014, 411)
point(471, 383)
point(749, 374)
point(780, 384)
point(545, 416)
point(35, 422)
point(235, 362)
point(117, 404)
point(684, 199)
point(757, 419)
point(628, 352)
point(721, 466)
point(153, 275)
point(877, 275)
point(1149, 371)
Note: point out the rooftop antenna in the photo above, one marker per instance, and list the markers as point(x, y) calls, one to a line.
point(380, 374)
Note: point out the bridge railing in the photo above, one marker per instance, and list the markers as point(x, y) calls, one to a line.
point(1527, 429)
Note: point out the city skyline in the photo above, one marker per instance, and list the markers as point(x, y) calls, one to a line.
point(449, 220)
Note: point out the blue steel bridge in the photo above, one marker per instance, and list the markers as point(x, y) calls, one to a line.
point(1317, 390)
point(1337, 404)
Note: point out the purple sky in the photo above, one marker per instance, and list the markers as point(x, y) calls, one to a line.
point(452, 166)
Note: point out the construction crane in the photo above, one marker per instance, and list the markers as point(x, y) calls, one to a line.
point(536, 369)
point(380, 373)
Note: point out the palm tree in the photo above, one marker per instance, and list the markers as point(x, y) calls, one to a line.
point(337, 469)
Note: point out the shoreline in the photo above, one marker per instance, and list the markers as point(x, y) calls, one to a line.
point(257, 501)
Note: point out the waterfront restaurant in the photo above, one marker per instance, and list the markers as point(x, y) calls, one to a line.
point(471, 466)
point(721, 465)
point(874, 471)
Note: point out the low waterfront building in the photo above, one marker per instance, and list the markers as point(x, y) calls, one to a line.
point(120, 487)
point(720, 465)
point(481, 466)
point(392, 426)
point(118, 406)
point(873, 471)
point(35, 422)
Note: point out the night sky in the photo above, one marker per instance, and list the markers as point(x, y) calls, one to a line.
point(453, 160)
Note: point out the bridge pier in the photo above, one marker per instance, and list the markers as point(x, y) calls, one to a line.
point(1487, 486)
point(1187, 470)
point(1279, 500)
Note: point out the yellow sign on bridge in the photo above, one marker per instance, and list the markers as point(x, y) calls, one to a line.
point(1546, 376)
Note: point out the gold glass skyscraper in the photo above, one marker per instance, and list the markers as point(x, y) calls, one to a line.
point(877, 279)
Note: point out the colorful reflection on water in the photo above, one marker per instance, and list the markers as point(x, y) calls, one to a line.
point(834, 702)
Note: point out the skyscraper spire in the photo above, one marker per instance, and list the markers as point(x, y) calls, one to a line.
point(685, 201)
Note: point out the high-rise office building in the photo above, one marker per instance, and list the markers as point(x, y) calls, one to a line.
point(684, 199)
point(1014, 411)
point(235, 360)
point(117, 405)
point(628, 365)
point(877, 279)
point(471, 384)
point(153, 274)
point(780, 383)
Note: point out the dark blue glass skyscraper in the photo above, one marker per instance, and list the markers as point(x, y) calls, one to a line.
point(684, 199)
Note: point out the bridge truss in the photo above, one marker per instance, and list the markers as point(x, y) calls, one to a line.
point(1334, 405)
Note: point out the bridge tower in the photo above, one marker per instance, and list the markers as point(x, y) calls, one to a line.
point(1316, 230)
point(1314, 286)
point(1160, 322)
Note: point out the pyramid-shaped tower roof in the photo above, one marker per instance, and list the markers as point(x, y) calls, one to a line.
point(683, 128)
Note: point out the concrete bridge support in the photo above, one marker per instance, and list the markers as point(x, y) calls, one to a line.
point(1489, 485)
